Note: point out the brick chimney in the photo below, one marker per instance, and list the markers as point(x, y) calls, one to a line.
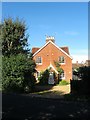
point(50, 38)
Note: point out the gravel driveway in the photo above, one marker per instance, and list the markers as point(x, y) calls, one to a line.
point(51, 91)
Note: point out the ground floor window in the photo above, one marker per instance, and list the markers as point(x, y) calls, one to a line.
point(62, 76)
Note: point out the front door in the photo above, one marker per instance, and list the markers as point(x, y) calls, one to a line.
point(51, 78)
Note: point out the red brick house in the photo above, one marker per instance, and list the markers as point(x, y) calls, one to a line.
point(46, 56)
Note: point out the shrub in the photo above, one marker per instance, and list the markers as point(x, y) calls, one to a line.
point(17, 64)
point(82, 86)
point(44, 77)
point(84, 73)
point(17, 72)
point(63, 82)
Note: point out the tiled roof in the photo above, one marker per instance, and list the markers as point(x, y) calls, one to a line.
point(65, 49)
point(35, 49)
point(87, 63)
point(77, 65)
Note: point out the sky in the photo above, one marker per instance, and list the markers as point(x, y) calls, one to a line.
point(66, 21)
point(45, 0)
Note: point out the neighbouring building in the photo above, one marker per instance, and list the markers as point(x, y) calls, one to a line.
point(46, 56)
point(77, 65)
point(82, 64)
point(87, 63)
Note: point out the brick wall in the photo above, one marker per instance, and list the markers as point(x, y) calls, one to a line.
point(51, 53)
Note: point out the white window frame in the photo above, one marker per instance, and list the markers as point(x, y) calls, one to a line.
point(40, 60)
point(60, 59)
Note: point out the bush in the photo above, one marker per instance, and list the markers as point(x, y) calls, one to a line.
point(82, 86)
point(29, 83)
point(43, 79)
point(84, 73)
point(63, 82)
point(17, 72)
point(85, 76)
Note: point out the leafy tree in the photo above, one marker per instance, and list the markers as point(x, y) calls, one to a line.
point(13, 37)
point(84, 72)
point(18, 66)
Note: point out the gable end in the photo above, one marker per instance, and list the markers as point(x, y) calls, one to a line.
point(55, 46)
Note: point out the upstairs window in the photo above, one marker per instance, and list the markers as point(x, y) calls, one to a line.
point(38, 60)
point(61, 59)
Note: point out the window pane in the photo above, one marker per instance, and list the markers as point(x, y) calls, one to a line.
point(62, 75)
point(38, 60)
point(61, 59)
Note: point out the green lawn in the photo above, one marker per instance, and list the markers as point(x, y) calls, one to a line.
point(63, 82)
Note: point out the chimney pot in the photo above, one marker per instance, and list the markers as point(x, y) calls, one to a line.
point(50, 38)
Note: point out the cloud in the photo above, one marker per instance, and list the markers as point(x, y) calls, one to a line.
point(79, 58)
point(79, 55)
point(71, 33)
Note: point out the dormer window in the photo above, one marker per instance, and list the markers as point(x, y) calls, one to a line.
point(38, 60)
point(61, 59)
